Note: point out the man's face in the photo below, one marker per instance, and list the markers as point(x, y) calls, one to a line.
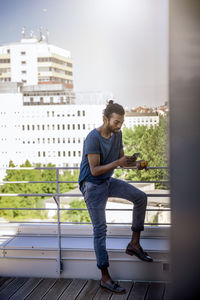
point(114, 123)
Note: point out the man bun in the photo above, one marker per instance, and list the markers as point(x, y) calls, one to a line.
point(113, 108)
point(110, 101)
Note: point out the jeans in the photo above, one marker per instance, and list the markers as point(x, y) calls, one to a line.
point(96, 196)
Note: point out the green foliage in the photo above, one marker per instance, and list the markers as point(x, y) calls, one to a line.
point(76, 215)
point(31, 188)
point(152, 144)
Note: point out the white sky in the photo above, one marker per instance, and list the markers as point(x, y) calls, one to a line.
point(116, 45)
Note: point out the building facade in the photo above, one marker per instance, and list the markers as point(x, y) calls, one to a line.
point(34, 61)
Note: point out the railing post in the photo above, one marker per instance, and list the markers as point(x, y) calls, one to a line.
point(57, 200)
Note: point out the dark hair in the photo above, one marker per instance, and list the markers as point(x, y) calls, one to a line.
point(113, 108)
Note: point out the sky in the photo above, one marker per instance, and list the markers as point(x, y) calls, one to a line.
point(118, 46)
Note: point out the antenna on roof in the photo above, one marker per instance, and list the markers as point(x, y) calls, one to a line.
point(47, 35)
point(23, 32)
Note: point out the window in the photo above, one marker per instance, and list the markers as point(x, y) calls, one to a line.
point(58, 140)
point(42, 127)
point(23, 127)
point(38, 140)
point(23, 53)
point(63, 127)
point(83, 126)
point(44, 153)
point(48, 127)
point(79, 126)
point(23, 72)
point(63, 140)
point(59, 153)
point(39, 154)
point(48, 140)
point(79, 140)
point(68, 126)
point(79, 153)
point(69, 140)
point(28, 127)
point(83, 113)
point(53, 127)
point(74, 153)
point(41, 99)
point(74, 140)
point(64, 153)
point(33, 127)
point(58, 126)
point(23, 62)
point(69, 153)
point(53, 140)
point(73, 126)
point(31, 99)
point(43, 140)
point(47, 113)
point(78, 113)
point(52, 113)
point(38, 127)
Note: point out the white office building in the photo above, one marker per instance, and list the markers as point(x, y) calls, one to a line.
point(33, 61)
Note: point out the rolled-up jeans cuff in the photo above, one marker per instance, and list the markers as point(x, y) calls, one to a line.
point(137, 229)
point(106, 265)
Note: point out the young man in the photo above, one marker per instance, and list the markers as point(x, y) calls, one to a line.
point(102, 153)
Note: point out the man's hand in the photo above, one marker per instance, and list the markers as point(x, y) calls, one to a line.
point(141, 164)
point(127, 161)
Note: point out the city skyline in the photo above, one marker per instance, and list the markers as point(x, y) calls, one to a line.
point(116, 46)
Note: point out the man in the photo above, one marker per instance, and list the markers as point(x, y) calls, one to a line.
point(102, 153)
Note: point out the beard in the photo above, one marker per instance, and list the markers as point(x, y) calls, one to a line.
point(113, 129)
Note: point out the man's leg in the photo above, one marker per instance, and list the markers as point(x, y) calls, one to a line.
point(96, 198)
point(121, 189)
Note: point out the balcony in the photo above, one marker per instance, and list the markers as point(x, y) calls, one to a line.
point(64, 250)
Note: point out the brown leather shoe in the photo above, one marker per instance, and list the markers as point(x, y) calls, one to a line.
point(141, 254)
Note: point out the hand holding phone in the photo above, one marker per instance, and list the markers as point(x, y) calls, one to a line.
point(135, 156)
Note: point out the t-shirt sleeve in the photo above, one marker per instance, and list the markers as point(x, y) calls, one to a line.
point(121, 142)
point(92, 145)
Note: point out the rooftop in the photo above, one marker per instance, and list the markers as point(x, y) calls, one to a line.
point(54, 288)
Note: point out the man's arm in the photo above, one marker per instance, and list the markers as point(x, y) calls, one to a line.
point(97, 169)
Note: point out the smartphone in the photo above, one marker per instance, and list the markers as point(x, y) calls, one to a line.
point(135, 155)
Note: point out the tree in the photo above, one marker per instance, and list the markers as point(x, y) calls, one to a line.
point(152, 144)
point(31, 188)
point(76, 215)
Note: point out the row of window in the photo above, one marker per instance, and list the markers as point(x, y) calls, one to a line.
point(60, 153)
point(138, 121)
point(51, 69)
point(4, 60)
point(55, 140)
point(48, 100)
point(54, 60)
point(55, 79)
point(54, 127)
point(4, 70)
point(5, 79)
point(79, 113)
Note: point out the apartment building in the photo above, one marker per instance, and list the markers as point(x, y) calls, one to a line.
point(33, 61)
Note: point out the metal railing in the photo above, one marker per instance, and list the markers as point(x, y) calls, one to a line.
point(56, 196)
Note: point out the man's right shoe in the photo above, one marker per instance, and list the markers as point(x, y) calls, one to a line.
point(141, 254)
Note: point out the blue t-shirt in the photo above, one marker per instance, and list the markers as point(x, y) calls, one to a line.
point(108, 149)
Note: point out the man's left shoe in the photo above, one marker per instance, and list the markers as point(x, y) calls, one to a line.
point(141, 254)
point(112, 287)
